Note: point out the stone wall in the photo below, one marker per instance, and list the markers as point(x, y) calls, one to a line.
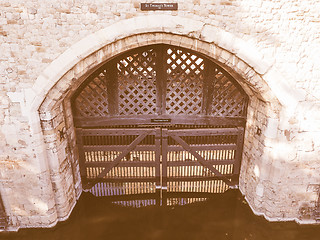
point(272, 45)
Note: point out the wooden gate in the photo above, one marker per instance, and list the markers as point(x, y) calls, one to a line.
point(126, 161)
point(120, 155)
point(160, 116)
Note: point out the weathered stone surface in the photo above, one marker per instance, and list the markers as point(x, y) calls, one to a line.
point(46, 47)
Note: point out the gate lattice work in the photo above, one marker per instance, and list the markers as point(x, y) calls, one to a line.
point(137, 83)
point(159, 81)
point(185, 74)
point(159, 116)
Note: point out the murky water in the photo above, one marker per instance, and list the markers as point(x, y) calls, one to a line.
point(225, 216)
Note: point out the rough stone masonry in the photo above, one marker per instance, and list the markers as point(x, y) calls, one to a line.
point(48, 47)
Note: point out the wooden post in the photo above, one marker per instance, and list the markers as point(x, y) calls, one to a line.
point(238, 157)
point(164, 156)
point(112, 88)
point(161, 84)
point(157, 156)
point(82, 157)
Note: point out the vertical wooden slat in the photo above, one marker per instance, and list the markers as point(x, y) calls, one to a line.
point(208, 84)
point(164, 156)
point(81, 153)
point(157, 155)
point(160, 79)
point(236, 168)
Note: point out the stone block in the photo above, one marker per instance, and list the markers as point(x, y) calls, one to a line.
point(272, 128)
point(259, 190)
point(39, 84)
point(185, 26)
point(209, 34)
point(225, 57)
point(53, 161)
point(176, 40)
point(287, 95)
point(187, 42)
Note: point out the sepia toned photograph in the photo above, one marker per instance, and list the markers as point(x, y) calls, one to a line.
point(171, 119)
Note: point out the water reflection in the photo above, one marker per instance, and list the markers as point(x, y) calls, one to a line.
point(224, 216)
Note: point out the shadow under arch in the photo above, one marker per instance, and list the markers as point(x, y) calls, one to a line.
point(50, 108)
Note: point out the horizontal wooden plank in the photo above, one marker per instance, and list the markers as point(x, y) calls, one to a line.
point(153, 164)
point(196, 163)
point(204, 132)
point(90, 148)
point(122, 179)
point(197, 178)
point(172, 148)
point(116, 131)
point(149, 120)
point(122, 164)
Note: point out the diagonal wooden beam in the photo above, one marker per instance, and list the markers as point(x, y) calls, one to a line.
point(118, 159)
point(201, 160)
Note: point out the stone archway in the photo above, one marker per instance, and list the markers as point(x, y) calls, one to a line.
point(50, 110)
point(163, 91)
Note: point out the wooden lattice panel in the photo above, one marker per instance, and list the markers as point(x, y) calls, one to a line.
point(184, 82)
point(137, 83)
point(160, 80)
point(93, 99)
point(228, 100)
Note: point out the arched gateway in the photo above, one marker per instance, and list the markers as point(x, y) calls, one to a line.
point(149, 107)
point(159, 116)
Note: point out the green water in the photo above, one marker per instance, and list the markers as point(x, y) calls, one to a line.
point(225, 216)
